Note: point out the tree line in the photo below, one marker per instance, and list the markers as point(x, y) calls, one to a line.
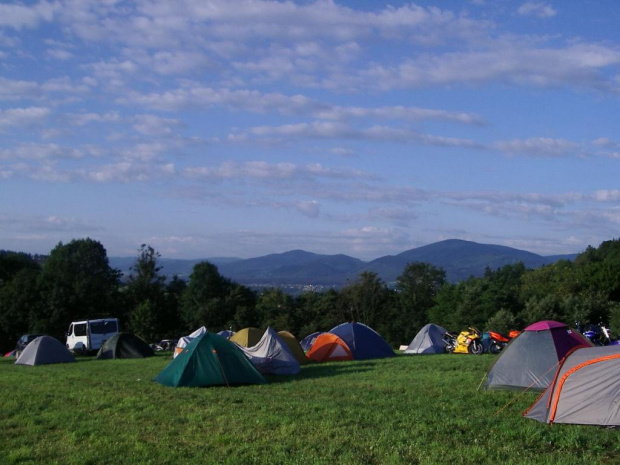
point(76, 282)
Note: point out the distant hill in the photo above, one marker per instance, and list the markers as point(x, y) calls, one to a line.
point(294, 267)
point(170, 266)
point(460, 259)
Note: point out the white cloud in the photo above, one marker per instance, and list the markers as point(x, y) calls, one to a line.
point(59, 54)
point(19, 16)
point(311, 208)
point(34, 151)
point(155, 126)
point(537, 9)
point(23, 116)
point(81, 119)
point(539, 146)
point(612, 195)
point(330, 130)
point(18, 89)
point(127, 172)
point(578, 64)
point(261, 170)
point(196, 96)
point(343, 151)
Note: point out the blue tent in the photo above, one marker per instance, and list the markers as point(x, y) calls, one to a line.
point(364, 342)
point(227, 333)
point(307, 341)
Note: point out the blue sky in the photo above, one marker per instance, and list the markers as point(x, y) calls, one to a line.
point(224, 128)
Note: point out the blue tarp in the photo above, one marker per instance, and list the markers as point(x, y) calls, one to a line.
point(227, 333)
point(306, 342)
point(364, 342)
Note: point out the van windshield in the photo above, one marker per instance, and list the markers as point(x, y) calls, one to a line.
point(103, 327)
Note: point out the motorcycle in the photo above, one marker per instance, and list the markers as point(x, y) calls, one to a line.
point(499, 341)
point(466, 342)
point(599, 335)
point(607, 337)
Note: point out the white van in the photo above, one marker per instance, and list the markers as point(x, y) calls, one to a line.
point(90, 335)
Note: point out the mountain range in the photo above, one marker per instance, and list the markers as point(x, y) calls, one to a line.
point(460, 259)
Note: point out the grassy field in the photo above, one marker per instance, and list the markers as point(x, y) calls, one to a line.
point(405, 410)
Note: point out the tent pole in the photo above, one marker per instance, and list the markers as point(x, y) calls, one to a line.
point(221, 368)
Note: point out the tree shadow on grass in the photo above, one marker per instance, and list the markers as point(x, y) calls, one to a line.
point(322, 370)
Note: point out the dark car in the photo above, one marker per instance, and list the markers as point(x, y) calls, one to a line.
point(23, 341)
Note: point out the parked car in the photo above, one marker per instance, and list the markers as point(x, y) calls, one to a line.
point(23, 341)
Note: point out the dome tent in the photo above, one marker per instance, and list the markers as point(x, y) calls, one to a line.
point(247, 337)
point(328, 347)
point(227, 333)
point(210, 360)
point(44, 350)
point(429, 340)
point(307, 341)
point(271, 355)
point(293, 346)
point(364, 342)
point(585, 389)
point(124, 345)
point(185, 340)
point(531, 359)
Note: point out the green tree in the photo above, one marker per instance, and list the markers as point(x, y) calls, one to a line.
point(546, 308)
point(614, 319)
point(173, 297)
point(145, 292)
point(364, 299)
point(12, 263)
point(276, 309)
point(77, 282)
point(204, 299)
point(317, 312)
point(447, 300)
point(241, 302)
point(417, 287)
point(502, 322)
point(20, 305)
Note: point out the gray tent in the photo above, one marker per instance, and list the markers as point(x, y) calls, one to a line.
point(531, 359)
point(585, 390)
point(44, 350)
point(271, 355)
point(429, 340)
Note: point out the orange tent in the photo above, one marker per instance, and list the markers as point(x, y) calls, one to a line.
point(329, 348)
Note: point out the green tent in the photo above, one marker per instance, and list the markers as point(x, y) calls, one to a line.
point(125, 345)
point(210, 360)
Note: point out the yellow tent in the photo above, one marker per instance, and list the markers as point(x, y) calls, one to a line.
point(247, 337)
point(293, 345)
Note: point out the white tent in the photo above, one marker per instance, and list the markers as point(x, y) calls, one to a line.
point(187, 339)
point(429, 340)
point(271, 355)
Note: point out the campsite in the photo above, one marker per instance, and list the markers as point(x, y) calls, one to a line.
point(400, 410)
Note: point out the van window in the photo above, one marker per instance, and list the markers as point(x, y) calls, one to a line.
point(79, 329)
point(103, 327)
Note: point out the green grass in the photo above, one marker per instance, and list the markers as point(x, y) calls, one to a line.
point(405, 410)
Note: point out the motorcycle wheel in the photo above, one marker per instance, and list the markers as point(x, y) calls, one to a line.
point(495, 348)
point(475, 348)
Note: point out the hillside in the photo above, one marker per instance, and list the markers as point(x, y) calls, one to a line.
point(461, 259)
